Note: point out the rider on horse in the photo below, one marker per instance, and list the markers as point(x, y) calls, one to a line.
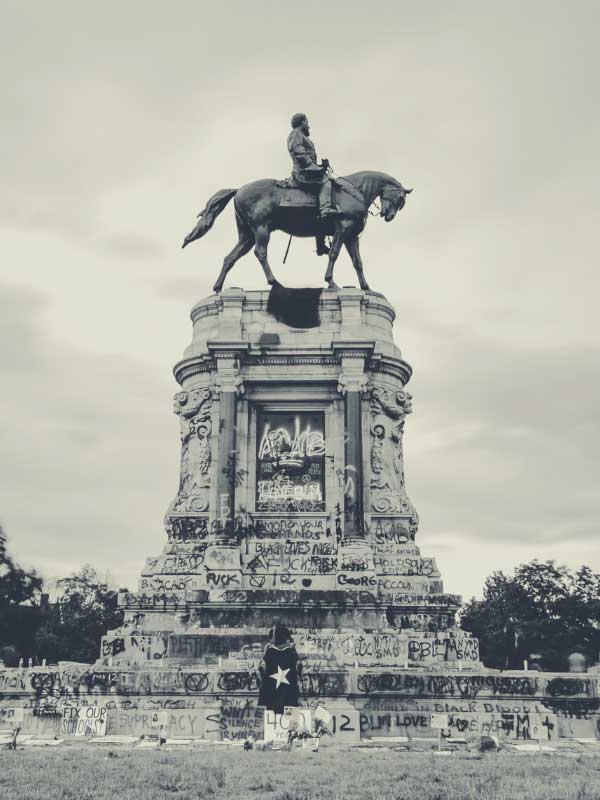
point(307, 172)
point(260, 209)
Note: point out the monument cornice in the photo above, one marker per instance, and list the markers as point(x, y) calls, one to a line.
point(195, 365)
point(207, 362)
point(253, 357)
point(289, 360)
point(223, 348)
point(352, 348)
point(380, 303)
point(395, 367)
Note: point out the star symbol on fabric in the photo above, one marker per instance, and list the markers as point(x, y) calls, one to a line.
point(280, 677)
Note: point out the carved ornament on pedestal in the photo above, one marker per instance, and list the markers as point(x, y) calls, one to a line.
point(194, 411)
point(233, 384)
point(388, 410)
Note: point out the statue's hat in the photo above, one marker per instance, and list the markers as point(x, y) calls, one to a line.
point(298, 119)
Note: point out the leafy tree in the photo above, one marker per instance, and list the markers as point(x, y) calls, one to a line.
point(542, 608)
point(19, 606)
point(73, 626)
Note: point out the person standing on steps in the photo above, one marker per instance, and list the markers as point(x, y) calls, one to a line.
point(279, 671)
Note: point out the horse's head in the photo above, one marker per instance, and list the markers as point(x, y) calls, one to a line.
point(393, 198)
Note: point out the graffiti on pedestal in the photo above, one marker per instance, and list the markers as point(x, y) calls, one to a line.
point(322, 684)
point(348, 648)
point(464, 686)
point(290, 462)
point(301, 558)
point(388, 584)
point(406, 718)
point(162, 583)
point(387, 531)
point(388, 410)
point(160, 598)
point(195, 682)
point(238, 681)
point(45, 684)
point(443, 648)
point(185, 563)
point(568, 687)
point(401, 565)
point(187, 529)
point(241, 718)
point(292, 528)
point(194, 411)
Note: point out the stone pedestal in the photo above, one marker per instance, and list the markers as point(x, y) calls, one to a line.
point(292, 505)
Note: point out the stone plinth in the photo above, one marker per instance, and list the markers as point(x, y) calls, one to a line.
point(292, 505)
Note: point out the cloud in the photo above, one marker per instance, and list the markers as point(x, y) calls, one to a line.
point(20, 330)
point(504, 439)
point(90, 458)
point(121, 120)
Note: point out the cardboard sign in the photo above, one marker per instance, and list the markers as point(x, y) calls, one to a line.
point(277, 726)
point(90, 721)
point(310, 744)
point(439, 721)
point(296, 719)
point(12, 716)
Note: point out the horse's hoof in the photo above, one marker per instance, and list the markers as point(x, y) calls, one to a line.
point(333, 285)
point(217, 289)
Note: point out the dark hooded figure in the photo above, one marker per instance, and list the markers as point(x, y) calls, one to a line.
point(279, 671)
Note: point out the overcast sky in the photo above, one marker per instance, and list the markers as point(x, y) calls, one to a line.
point(119, 120)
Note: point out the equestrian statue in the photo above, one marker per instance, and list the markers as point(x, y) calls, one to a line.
point(310, 203)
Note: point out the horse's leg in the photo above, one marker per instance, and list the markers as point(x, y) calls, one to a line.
point(341, 231)
point(262, 235)
point(244, 245)
point(352, 246)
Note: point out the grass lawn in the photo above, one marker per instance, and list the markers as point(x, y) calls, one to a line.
point(104, 773)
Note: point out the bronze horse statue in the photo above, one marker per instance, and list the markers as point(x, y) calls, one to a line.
point(258, 211)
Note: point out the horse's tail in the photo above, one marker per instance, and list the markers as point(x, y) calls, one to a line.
point(207, 218)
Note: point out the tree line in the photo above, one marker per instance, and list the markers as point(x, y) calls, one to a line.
point(543, 610)
point(67, 629)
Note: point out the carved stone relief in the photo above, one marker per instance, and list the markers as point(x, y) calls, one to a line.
point(388, 410)
point(194, 411)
